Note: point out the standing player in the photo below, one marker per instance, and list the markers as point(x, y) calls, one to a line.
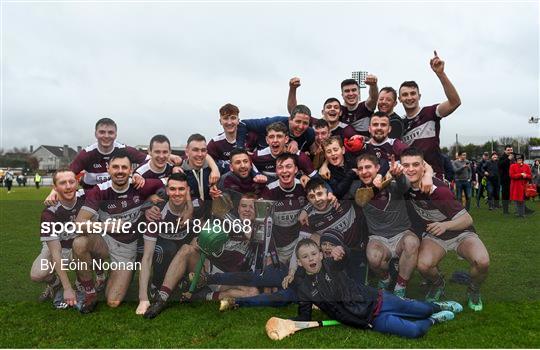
point(160, 246)
point(239, 179)
point(331, 113)
point(316, 152)
point(423, 124)
point(386, 103)
point(158, 167)
point(57, 246)
point(448, 226)
point(220, 147)
point(354, 112)
point(265, 160)
point(199, 175)
point(389, 225)
point(298, 132)
point(115, 199)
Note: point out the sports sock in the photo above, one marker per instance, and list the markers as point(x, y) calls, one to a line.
point(165, 292)
point(401, 283)
point(55, 282)
point(212, 296)
point(88, 286)
point(386, 277)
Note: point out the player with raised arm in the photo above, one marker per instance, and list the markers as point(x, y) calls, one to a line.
point(354, 112)
point(448, 226)
point(300, 136)
point(56, 251)
point(116, 199)
point(424, 123)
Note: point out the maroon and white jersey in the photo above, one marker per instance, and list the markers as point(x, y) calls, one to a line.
point(347, 219)
point(146, 172)
point(438, 206)
point(343, 130)
point(172, 231)
point(232, 182)
point(287, 206)
point(422, 131)
point(106, 202)
point(219, 148)
point(385, 149)
point(60, 213)
point(233, 256)
point(94, 163)
point(265, 162)
point(357, 118)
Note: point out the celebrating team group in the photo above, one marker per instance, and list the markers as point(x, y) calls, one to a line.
point(309, 204)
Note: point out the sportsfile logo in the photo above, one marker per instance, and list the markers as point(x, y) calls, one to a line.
point(66, 230)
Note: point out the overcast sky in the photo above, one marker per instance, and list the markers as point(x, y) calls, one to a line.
point(167, 67)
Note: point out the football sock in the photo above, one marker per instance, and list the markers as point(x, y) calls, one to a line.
point(88, 286)
point(401, 283)
point(386, 277)
point(165, 293)
point(212, 296)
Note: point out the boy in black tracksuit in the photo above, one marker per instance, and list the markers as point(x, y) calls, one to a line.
point(326, 285)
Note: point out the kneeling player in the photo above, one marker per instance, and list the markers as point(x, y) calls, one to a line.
point(389, 225)
point(448, 226)
point(118, 204)
point(327, 286)
point(56, 251)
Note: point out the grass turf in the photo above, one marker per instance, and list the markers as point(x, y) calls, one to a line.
point(511, 295)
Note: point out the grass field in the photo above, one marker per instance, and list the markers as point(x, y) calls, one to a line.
point(511, 294)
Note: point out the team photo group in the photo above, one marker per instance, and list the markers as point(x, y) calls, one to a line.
point(332, 211)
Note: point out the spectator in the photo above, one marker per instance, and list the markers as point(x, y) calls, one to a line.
point(480, 169)
point(8, 179)
point(520, 174)
point(507, 158)
point(536, 174)
point(491, 171)
point(463, 173)
point(37, 180)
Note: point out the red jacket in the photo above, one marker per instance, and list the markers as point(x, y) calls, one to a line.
point(518, 183)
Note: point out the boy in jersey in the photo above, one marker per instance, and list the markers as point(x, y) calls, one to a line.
point(448, 226)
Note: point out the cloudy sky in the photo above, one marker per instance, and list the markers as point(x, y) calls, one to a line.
point(167, 67)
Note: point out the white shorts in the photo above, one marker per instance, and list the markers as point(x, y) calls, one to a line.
point(451, 244)
point(121, 252)
point(46, 254)
point(391, 243)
